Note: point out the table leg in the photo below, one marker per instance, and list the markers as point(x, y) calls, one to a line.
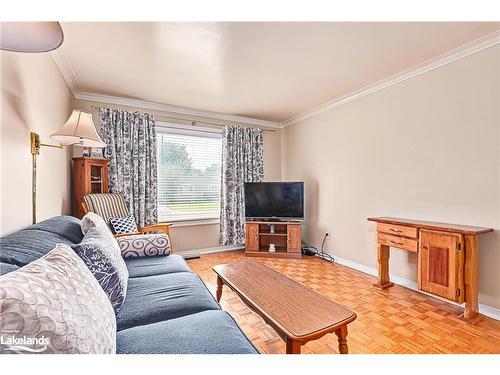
point(471, 277)
point(292, 347)
point(342, 337)
point(219, 288)
point(383, 267)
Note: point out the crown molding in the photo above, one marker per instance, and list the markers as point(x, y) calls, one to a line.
point(167, 109)
point(62, 63)
point(465, 50)
point(64, 66)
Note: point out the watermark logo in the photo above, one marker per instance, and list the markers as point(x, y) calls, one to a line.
point(14, 342)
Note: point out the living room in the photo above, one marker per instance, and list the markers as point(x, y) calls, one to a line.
point(229, 187)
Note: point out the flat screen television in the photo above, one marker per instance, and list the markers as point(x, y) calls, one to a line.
point(274, 200)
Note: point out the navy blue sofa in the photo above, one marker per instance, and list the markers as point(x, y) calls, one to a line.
point(167, 309)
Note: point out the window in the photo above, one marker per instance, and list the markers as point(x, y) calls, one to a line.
point(189, 173)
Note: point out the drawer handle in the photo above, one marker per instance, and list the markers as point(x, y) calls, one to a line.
point(396, 243)
point(395, 230)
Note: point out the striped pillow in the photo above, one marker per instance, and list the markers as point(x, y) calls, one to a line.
point(122, 225)
point(107, 205)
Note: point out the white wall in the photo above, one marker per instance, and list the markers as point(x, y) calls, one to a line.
point(34, 97)
point(427, 148)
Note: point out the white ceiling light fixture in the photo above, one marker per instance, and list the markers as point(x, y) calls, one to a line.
point(30, 37)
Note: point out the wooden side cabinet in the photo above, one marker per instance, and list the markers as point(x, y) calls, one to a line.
point(441, 264)
point(447, 257)
point(285, 236)
point(90, 175)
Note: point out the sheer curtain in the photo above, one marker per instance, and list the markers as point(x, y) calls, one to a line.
point(131, 148)
point(242, 161)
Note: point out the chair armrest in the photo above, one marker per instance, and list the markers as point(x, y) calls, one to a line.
point(165, 228)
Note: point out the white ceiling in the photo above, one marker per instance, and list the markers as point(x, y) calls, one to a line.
point(270, 71)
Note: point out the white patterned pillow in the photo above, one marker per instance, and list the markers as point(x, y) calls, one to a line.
point(103, 258)
point(92, 220)
point(123, 225)
point(144, 245)
point(55, 305)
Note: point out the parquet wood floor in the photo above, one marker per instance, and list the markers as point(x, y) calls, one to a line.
point(397, 320)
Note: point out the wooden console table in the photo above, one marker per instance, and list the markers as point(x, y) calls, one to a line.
point(447, 257)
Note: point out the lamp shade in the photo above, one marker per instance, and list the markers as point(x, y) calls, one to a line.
point(30, 36)
point(79, 130)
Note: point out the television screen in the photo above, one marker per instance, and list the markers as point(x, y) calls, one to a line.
point(280, 200)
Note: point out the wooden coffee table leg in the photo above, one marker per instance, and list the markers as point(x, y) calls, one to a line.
point(342, 337)
point(219, 288)
point(292, 347)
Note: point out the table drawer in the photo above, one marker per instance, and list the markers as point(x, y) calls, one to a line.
point(396, 241)
point(397, 230)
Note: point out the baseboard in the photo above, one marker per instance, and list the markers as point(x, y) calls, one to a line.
point(486, 310)
point(195, 253)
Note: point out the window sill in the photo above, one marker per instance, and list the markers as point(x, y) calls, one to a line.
point(191, 223)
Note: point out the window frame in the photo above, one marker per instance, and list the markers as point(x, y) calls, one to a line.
point(194, 130)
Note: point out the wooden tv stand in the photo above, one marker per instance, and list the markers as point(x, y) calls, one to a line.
point(287, 239)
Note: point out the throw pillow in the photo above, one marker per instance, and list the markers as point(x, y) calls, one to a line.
point(92, 220)
point(55, 305)
point(103, 258)
point(144, 245)
point(123, 225)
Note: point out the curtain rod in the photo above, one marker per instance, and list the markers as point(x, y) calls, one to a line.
point(194, 122)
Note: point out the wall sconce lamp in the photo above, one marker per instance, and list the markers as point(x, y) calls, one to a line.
point(79, 130)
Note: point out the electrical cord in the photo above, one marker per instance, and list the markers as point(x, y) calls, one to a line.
point(322, 254)
point(311, 250)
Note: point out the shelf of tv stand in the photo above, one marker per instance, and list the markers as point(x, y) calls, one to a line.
point(286, 238)
point(277, 254)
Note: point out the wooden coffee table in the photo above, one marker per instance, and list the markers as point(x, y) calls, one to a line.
point(296, 312)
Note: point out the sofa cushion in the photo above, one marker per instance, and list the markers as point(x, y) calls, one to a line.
point(25, 246)
point(160, 265)
point(155, 298)
point(65, 226)
point(144, 245)
point(207, 332)
point(55, 305)
point(33, 242)
point(6, 267)
point(103, 258)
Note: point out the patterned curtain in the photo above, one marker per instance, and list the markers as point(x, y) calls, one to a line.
point(131, 148)
point(242, 161)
